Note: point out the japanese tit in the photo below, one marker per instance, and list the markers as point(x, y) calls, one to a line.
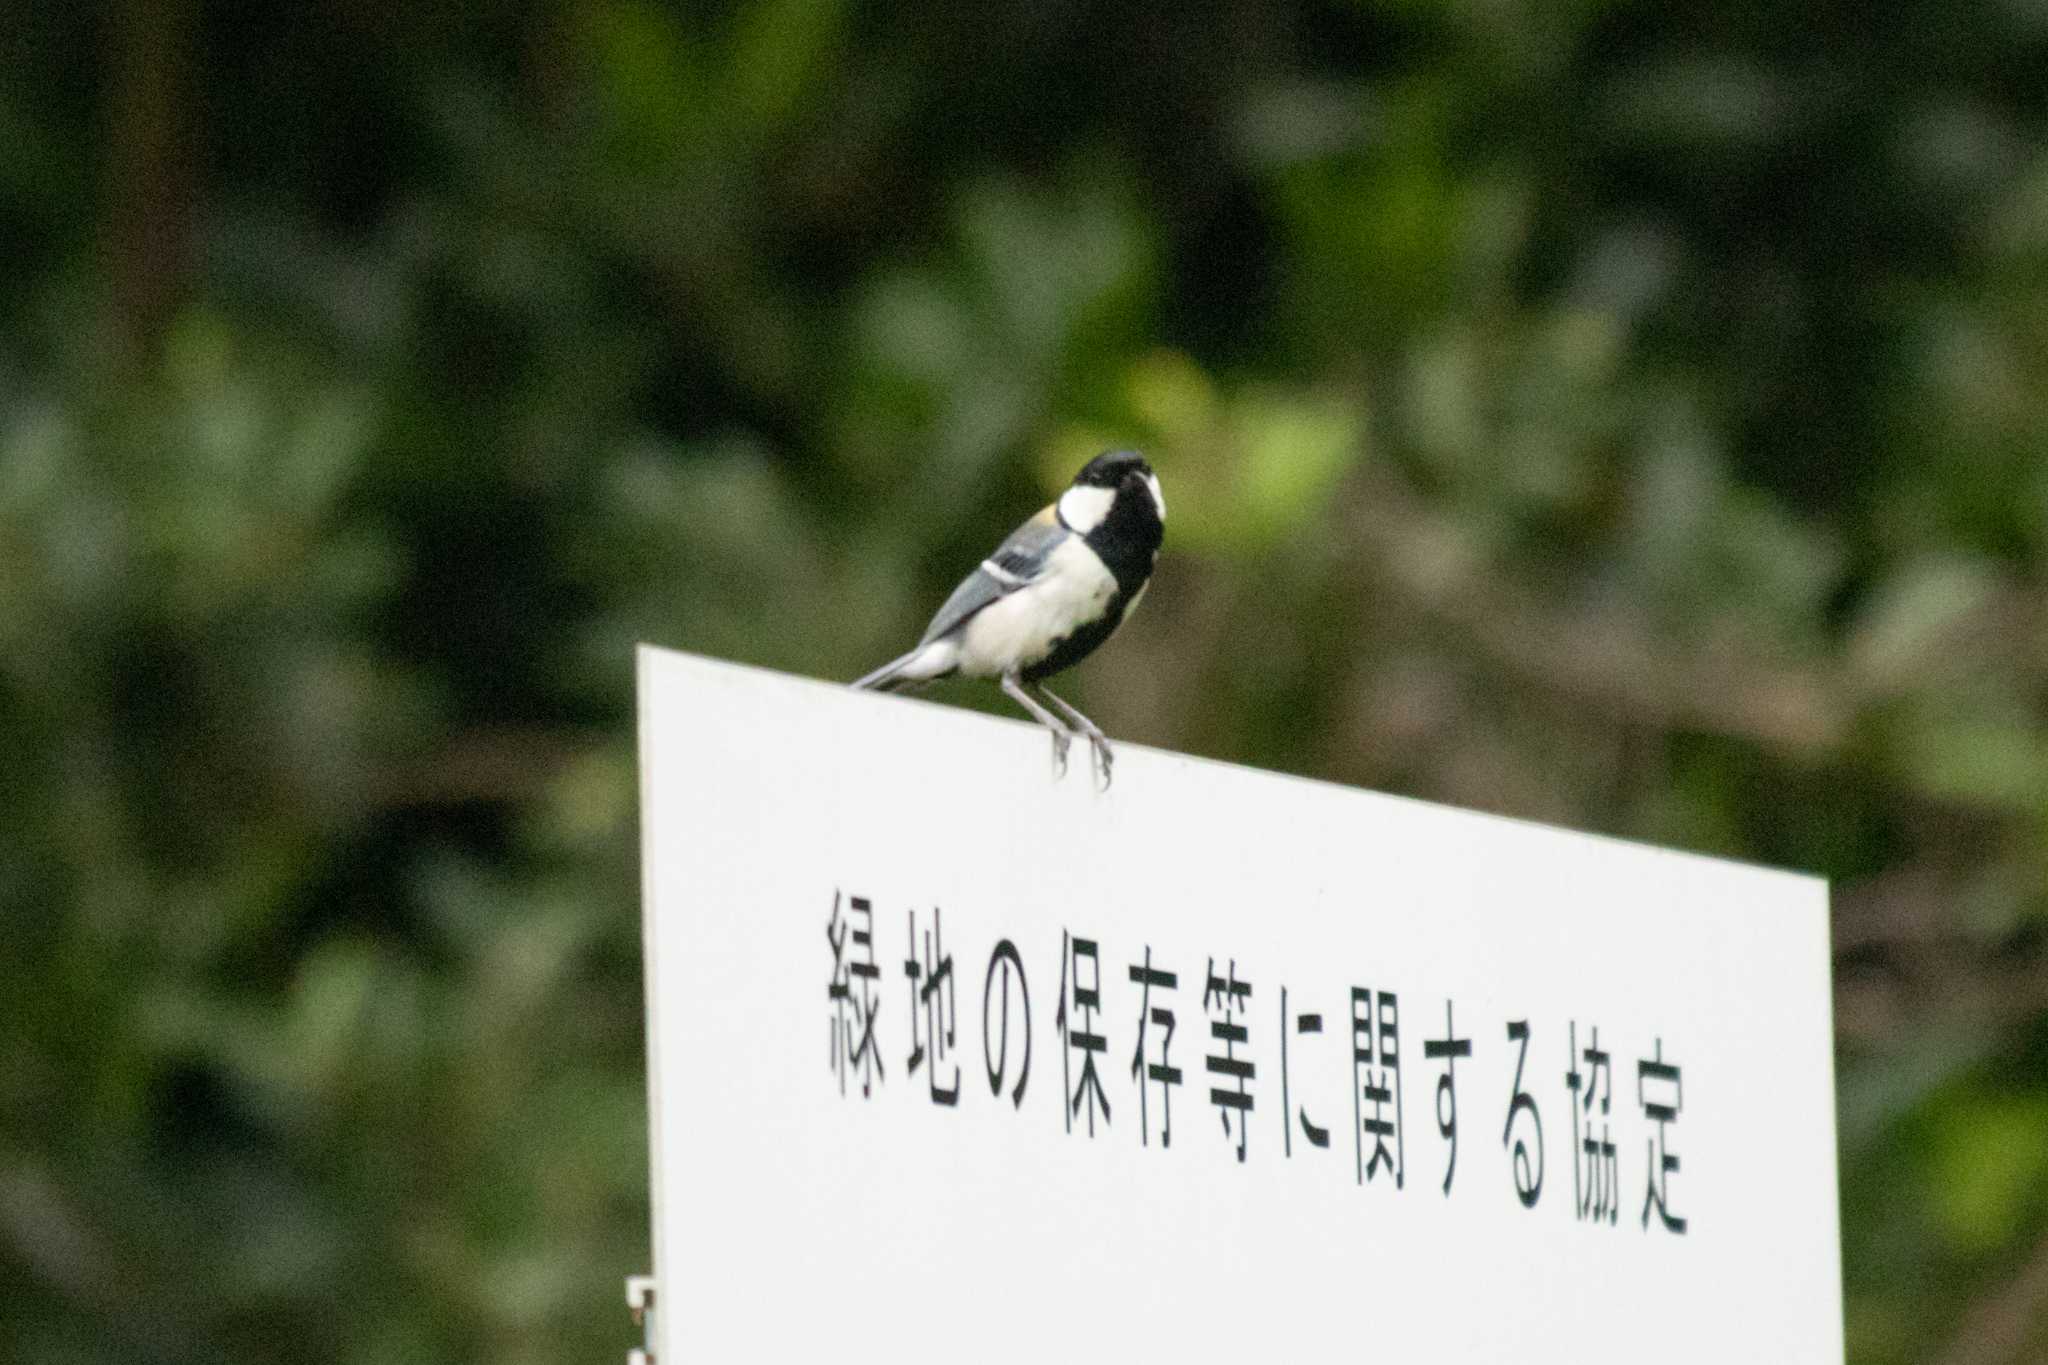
point(1050, 594)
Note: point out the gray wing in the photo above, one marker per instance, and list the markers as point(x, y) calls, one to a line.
point(1018, 561)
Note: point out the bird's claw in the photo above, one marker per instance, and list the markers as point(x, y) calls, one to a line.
point(1099, 752)
point(1100, 757)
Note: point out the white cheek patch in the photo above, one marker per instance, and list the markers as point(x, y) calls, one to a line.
point(1158, 497)
point(1082, 508)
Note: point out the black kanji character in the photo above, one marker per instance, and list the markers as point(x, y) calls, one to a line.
point(1084, 1001)
point(1162, 1071)
point(1226, 999)
point(1376, 1082)
point(1596, 1172)
point(853, 994)
point(1663, 1162)
point(932, 1013)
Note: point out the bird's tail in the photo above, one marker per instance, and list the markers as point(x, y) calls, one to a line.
point(920, 665)
point(888, 678)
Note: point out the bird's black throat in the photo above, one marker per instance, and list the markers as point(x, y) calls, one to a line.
point(1127, 539)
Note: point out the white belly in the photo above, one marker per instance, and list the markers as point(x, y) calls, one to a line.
point(1019, 630)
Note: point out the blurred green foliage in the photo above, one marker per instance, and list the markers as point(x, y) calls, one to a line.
point(1612, 414)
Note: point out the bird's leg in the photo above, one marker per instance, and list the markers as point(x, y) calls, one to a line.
point(1061, 736)
point(1098, 743)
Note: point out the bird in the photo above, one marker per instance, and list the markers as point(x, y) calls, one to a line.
point(1047, 598)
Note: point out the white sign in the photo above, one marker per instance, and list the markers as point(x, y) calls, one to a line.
point(951, 1060)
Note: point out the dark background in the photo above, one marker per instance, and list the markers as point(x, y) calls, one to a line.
point(1611, 413)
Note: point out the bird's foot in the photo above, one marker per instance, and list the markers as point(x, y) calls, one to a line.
point(1060, 740)
point(1100, 757)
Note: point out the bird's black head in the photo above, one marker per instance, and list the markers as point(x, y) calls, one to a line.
point(1111, 468)
point(1116, 481)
